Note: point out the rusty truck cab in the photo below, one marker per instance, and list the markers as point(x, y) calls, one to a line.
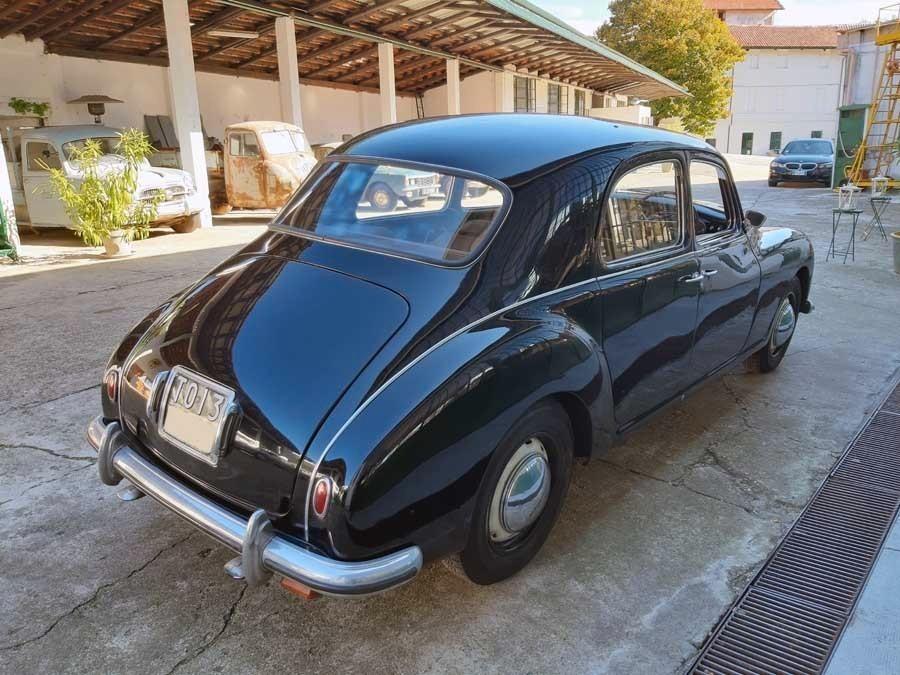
point(265, 162)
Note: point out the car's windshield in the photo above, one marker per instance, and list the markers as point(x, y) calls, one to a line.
point(283, 142)
point(107, 145)
point(807, 148)
point(411, 211)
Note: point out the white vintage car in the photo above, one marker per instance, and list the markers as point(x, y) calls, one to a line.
point(51, 146)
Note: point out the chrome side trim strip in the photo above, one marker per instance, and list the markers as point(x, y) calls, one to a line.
point(365, 404)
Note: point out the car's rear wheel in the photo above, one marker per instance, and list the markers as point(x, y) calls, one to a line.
point(769, 357)
point(521, 495)
point(382, 198)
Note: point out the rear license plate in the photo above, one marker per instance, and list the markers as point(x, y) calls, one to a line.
point(798, 172)
point(194, 412)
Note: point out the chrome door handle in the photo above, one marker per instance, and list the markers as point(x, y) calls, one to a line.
point(710, 273)
point(691, 279)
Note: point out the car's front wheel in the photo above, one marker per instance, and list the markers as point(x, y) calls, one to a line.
point(521, 495)
point(773, 183)
point(382, 198)
point(769, 357)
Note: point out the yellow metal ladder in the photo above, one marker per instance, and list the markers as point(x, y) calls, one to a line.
point(881, 141)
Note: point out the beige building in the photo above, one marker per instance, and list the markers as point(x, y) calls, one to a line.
point(787, 86)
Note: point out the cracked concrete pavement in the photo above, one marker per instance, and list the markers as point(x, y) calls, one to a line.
point(655, 541)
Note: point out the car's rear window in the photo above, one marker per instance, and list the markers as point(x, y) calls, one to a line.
point(410, 210)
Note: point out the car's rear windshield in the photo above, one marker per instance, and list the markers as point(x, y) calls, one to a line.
point(409, 210)
point(807, 148)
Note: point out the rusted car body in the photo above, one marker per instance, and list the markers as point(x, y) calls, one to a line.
point(265, 162)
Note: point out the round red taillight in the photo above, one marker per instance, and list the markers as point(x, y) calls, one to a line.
point(111, 382)
point(321, 496)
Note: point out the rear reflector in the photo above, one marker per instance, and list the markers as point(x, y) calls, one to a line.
point(111, 383)
point(321, 496)
point(299, 589)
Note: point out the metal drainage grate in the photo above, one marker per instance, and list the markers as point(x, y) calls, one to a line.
point(792, 614)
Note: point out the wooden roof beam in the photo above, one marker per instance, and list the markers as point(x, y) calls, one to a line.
point(474, 28)
point(30, 18)
point(365, 53)
point(369, 11)
point(153, 18)
point(80, 17)
point(235, 44)
point(412, 16)
point(497, 45)
point(407, 65)
point(210, 23)
point(459, 16)
point(13, 8)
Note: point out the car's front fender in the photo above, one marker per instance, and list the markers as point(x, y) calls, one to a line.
point(409, 465)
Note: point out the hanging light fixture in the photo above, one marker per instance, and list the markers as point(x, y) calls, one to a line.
point(96, 104)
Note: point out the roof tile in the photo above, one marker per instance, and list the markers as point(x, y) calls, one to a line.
point(786, 37)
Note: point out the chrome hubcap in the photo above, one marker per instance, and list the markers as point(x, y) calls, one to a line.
point(521, 493)
point(381, 199)
point(785, 321)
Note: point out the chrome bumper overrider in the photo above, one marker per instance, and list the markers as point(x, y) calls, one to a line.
point(262, 550)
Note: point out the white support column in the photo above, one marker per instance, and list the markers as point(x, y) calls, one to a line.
point(288, 76)
point(185, 105)
point(386, 83)
point(503, 91)
point(6, 203)
point(453, 96)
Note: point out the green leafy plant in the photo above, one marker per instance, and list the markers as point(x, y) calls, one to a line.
point(102, 199)
point(24, 107)
point(685, 42)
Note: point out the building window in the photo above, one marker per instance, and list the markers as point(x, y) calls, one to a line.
point(524, 89)
point(579, 103)
point(557, 99)
point(816, 134)
point(775, 141)
point(747, 143)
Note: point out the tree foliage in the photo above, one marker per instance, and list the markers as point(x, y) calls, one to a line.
point(101, 198)
point(685, 42)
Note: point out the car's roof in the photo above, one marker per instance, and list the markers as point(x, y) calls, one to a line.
point(263, 125)
point(70, 132)
point(505, 145)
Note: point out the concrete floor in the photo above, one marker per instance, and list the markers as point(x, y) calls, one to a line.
point(655, 541)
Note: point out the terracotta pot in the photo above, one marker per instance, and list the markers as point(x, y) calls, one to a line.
point(117, 245)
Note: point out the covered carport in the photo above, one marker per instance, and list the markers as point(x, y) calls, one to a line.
point(410, 58)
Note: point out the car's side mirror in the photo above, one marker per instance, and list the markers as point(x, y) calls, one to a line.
point(754, 218)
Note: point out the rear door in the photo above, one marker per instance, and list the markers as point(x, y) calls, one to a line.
point(729, 268)
point(650, 285)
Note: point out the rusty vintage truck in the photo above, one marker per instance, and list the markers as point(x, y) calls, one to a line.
point(265, 162)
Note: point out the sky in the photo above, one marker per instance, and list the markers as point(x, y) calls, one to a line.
point(586, 15)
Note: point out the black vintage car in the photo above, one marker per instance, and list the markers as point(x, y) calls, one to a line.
point(358, 391)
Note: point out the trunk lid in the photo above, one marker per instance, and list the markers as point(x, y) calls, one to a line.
point(287, 338)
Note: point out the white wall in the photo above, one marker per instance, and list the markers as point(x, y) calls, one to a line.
point(476, 96)
point(636, 114)
point(791, 91)
point(28, 73)
point(749, 17)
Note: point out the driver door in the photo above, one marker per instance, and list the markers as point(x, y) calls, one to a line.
point(44, 207)
point(729, 269)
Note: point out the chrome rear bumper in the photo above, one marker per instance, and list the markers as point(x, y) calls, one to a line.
point(262, 550)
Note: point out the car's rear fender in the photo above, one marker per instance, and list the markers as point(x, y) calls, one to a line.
point(408, 466)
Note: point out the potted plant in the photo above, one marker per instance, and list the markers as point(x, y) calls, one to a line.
point(33, 108)
point(101, 200)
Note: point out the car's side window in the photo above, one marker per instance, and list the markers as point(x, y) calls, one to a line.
point(243, 144)
point(711, 203)
point(40, 156)
point(643, 212)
